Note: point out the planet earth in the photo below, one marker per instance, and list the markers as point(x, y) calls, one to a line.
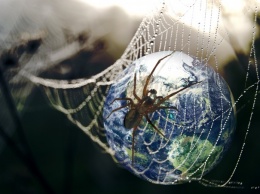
point(197, 133)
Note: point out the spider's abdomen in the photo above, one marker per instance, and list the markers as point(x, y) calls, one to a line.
point(132, 119)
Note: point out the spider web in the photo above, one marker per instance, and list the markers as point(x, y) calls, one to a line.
point(200, 28)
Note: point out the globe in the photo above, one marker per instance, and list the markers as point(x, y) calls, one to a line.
point(197, 132)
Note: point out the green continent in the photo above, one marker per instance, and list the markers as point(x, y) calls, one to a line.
point(191, 155)
point(142, 158)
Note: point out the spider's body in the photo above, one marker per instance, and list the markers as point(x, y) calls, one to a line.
point(132, 119)
point(147, 104)
point(139, 110)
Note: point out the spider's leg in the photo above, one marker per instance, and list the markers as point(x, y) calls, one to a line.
point(174, 93)
point(159, 97)
point(135, 95)
point(117, 110)
point(131, 101)
point(167, 107)
point(156, 129)
point(133, 145)
point(150, 75)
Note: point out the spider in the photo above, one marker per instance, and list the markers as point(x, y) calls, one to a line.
point(147, 104)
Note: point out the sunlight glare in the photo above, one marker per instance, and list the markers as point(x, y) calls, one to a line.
point(132, 7)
